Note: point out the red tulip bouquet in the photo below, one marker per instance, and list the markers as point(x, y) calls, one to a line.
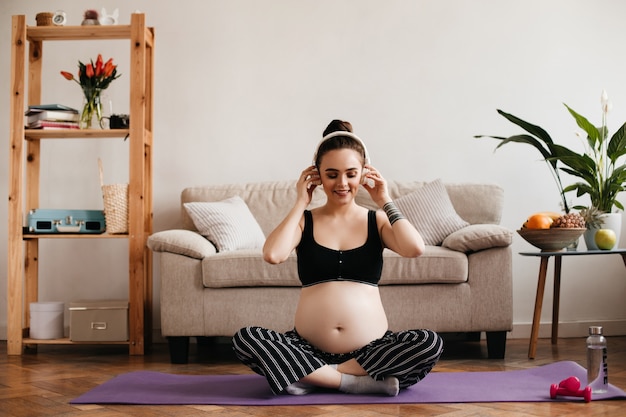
point(93, 78)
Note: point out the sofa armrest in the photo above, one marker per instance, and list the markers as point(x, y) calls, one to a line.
point(491, 281)
point(477, 237)
point(181, 242)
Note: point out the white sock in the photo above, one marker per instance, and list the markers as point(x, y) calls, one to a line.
point(302, 388)
point(367, 385)
point(299, 388)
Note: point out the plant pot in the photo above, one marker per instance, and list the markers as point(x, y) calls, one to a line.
point(611, 221)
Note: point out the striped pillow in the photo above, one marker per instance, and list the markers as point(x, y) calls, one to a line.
point(228, 224)
point(430, 210)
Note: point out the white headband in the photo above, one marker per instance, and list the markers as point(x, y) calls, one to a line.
point(342, 133)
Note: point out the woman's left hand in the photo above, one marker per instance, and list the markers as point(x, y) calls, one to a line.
point(376, 186)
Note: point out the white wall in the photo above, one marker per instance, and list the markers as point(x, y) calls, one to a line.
point(244, 88)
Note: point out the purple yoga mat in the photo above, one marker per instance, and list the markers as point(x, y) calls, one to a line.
point(528, 385)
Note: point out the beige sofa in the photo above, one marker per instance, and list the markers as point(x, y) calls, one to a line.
point(463, 285)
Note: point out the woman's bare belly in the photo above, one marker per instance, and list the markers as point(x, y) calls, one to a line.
point(340, 316)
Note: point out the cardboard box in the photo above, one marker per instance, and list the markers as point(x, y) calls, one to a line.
point(99, 321)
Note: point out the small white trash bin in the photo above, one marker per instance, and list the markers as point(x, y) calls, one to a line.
point(46, 320)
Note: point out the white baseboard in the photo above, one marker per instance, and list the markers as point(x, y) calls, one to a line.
point(569, 329)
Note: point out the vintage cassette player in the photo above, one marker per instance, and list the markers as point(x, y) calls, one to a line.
point(66, 221)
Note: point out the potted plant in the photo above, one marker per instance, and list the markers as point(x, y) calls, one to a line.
point(600, 170)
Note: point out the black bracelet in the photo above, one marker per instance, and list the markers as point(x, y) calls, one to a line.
point(392, 212)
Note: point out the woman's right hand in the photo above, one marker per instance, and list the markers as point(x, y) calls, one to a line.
point(308, 181)
point(286, 236)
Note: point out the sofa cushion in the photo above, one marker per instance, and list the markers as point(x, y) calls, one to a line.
point(246, 268)
point(228, 224)
point(182, 242)
point(430, 210)
point(477, 237)
point(436, 265)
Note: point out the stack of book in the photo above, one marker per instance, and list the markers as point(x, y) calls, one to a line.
point(51, 116)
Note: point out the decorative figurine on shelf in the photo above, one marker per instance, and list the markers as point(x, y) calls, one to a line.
point(93, 79)
point(90, 18)
point(109, 19)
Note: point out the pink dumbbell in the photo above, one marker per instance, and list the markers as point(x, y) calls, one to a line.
point(570, 387)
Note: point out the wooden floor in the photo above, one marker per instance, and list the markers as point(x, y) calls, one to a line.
point(43, 383)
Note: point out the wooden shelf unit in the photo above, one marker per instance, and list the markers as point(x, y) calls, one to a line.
point(25, 154)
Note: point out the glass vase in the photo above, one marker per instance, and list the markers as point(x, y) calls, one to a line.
point(92, 108)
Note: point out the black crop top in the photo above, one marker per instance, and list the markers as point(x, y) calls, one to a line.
point(317, 264)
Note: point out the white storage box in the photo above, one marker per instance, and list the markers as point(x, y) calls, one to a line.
point(46, 320)
point(99, 321)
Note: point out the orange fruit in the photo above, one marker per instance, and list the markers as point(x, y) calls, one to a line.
point(538, 221)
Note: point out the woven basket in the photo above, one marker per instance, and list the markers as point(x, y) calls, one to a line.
point(44, 19)
point(115, 198)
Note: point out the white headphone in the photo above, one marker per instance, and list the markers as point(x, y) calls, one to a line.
point(342, 133)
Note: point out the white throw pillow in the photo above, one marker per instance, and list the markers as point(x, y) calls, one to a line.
point(228, 224)
point(430, 210)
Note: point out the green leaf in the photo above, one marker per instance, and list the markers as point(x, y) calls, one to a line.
point(592, 132)
point(617, 144)
point(529, 127)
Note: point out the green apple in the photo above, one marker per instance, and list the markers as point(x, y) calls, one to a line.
point(605, 239)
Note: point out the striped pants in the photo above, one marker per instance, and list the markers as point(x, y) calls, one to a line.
point(285, 358)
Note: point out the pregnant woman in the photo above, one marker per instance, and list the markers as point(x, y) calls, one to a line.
point(341, 338)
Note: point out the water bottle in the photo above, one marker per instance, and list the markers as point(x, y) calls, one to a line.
point(597, 371)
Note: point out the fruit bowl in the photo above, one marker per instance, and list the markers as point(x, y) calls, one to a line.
point(553, 239)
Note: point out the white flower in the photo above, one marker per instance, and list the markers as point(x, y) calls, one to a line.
point(606, 104)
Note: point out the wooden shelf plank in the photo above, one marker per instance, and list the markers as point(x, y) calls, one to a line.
point(67, 341)
point(88, 32)
point(74, 236)
point(77, 33)
point(34, 134)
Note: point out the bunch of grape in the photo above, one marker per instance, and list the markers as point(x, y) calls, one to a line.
point(569, 220)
